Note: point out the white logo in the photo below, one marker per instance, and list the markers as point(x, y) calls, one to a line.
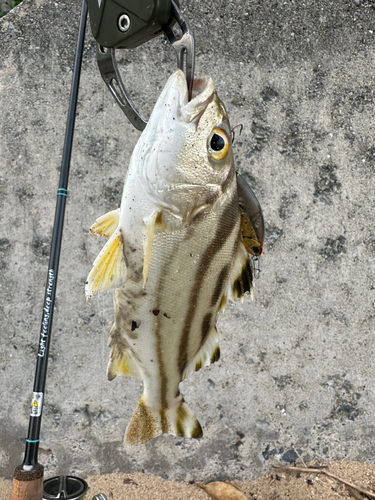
point(36, 404)
point(99, 2)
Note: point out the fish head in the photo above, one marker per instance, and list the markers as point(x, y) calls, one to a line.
point(184, 155)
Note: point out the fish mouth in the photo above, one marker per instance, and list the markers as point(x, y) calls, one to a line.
point(199, 85)
point(202, 94)
point(173, 103)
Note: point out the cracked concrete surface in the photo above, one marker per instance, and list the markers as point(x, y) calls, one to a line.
point(296, 373)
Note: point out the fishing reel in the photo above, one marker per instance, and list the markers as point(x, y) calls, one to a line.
point(127, 24)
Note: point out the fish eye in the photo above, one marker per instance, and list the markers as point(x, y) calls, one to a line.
point(218, 144)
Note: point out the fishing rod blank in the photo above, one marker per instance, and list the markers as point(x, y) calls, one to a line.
point(28, 478)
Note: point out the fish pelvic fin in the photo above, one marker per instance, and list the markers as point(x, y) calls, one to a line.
point(149, 225)
point(109, 269)
point(148, 423)
point(207, 354)
point(240, 279)
point(107, 224)
point(120, 362)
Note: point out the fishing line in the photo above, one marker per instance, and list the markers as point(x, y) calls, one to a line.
point(233, 133)
point(100, 304)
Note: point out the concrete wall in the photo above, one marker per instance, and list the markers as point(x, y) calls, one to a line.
point(297, 370)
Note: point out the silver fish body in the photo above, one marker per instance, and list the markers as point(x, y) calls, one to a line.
point(174, 255)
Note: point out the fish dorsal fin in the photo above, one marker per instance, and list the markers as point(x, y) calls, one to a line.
point(109, 269)
point(207, 354)
point(241, 277)
point(107, 224)
point(149, 225)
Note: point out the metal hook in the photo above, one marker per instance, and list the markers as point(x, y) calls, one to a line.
point(184, 47)
point(108, 68)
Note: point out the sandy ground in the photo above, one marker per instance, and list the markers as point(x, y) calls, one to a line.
point(278, 484)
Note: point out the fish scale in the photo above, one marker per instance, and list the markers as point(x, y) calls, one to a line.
point(175, 255)
point(181, 264)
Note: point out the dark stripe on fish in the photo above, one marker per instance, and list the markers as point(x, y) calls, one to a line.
point(158, 326)
point(206, 327)
point(245, 280)
point(181, 417)
point(239, 287)
point(164, 422)
point(250, 273)
point(219, 285)
point(180, 429)
point(197, 431)
point(215, 356)
point(162, 374)
point(204, 265)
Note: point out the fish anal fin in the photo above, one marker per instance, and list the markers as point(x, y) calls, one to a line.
point(241, 276)
point(109, 269)
point(207, 354)
point(107, 224)
point(148, 423)
point(149, 225)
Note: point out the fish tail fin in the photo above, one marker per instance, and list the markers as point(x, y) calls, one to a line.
point(148, 423)
point(182, 421)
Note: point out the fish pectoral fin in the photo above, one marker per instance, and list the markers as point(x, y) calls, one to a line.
point(107, 224)
point(148, 423)
point(207, 354)
point(120, 363)
point(109, 269)
point(149, 225)
point(240, 279)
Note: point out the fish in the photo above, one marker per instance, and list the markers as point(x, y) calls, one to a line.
point(175, 255)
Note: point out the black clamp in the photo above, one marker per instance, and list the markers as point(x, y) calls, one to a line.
point(128, 24)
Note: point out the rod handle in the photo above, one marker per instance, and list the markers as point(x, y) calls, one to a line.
point(27, 485)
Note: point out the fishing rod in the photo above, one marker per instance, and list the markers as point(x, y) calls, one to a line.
point(27, 481)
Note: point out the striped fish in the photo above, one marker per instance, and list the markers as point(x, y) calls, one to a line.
point(174, 255)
